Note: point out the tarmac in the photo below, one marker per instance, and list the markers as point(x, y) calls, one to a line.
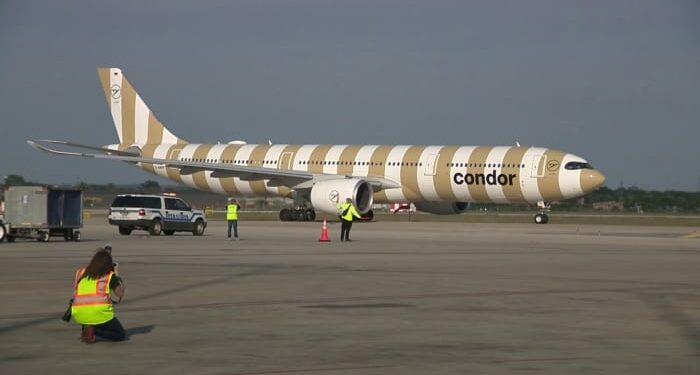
point(402, 298)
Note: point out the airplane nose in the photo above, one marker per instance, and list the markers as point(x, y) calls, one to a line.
point(591, 179)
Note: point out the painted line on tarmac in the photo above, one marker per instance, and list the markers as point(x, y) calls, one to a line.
point(543, 359)
point(309, 370)
point(692, 235)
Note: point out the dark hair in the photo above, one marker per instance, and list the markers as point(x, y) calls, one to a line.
point(100, 265)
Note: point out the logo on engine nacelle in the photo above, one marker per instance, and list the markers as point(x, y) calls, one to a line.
point(334, 196)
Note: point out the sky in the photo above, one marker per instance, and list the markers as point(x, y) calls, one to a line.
point(615, 82)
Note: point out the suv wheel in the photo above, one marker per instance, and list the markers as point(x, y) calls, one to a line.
point(124, 230)
point(156, 228)
point(198, 228)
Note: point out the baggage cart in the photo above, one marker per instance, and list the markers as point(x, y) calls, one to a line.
point(39, 213)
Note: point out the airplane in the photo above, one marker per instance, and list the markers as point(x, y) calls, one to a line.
point(436, 179)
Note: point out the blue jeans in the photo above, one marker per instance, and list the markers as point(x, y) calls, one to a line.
point(234, 224)
point(111, 330)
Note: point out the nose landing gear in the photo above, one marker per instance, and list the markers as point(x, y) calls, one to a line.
point(542, 209)
point(541, 218)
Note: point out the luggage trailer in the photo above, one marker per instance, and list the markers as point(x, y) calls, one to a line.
point(36, 212)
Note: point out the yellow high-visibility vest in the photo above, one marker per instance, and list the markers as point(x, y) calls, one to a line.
point(91, 303)
point(232, 212)
point(352, 211)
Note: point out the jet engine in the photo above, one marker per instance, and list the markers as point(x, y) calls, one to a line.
point(326, 194)
point(442, 208)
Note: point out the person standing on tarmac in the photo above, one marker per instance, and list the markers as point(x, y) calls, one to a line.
point(232, 218)
point(348, 213)
point(92, 303)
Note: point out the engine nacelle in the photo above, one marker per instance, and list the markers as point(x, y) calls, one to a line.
point(442, 208)
point(326, 194)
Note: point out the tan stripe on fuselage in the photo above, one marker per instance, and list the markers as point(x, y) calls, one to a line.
point(443, 177)
point(549, 184)
point(379, 157)
point(409, 173)
point(155, 130)
point(478, 159)
point(128, 113)
point(257, 157)
point(148, 151)
point(317, 157)
point(227, 183)
point(347, 158)
point(199, 178)
point(511, 165)
point(174, 173)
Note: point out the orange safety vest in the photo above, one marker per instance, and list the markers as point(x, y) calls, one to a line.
point(91, 302)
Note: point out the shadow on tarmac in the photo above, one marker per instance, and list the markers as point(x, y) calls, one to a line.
point(143, 330)
point(674, 316)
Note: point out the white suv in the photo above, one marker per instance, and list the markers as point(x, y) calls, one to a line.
point(156, 214)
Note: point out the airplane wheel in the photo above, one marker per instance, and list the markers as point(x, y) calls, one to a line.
point(541, 219)
point(310, 215)
point(284, 214)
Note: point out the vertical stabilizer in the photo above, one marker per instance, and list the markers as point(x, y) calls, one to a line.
point(135, 122)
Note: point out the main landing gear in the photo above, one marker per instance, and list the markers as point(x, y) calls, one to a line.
point(297, 214)
point(542, 209)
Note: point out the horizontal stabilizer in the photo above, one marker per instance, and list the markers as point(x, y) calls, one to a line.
point(103, 150)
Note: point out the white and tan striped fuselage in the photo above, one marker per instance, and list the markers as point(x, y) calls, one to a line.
point(478, 174)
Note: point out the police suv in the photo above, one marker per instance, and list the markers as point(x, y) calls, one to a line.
point(155, 213)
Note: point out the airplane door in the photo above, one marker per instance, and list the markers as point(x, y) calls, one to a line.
point(430, 164)
point(285, 161)
point(538, 166)
point(174, 154)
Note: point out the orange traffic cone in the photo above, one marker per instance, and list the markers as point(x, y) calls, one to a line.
point(324, 233)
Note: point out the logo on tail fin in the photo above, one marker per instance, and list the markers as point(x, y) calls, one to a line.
point(116, 92)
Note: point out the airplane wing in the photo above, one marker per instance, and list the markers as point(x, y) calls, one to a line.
point(278, 177)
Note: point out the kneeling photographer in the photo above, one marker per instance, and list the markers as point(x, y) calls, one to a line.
point(92, 298)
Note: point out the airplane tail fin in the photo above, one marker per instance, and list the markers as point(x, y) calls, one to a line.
point(135, 122)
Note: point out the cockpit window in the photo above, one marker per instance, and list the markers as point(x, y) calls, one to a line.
point(573, 165)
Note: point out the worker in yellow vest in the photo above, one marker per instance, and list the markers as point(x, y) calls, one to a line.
point(232, 218)
point(348, 213)
point(93, 288)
